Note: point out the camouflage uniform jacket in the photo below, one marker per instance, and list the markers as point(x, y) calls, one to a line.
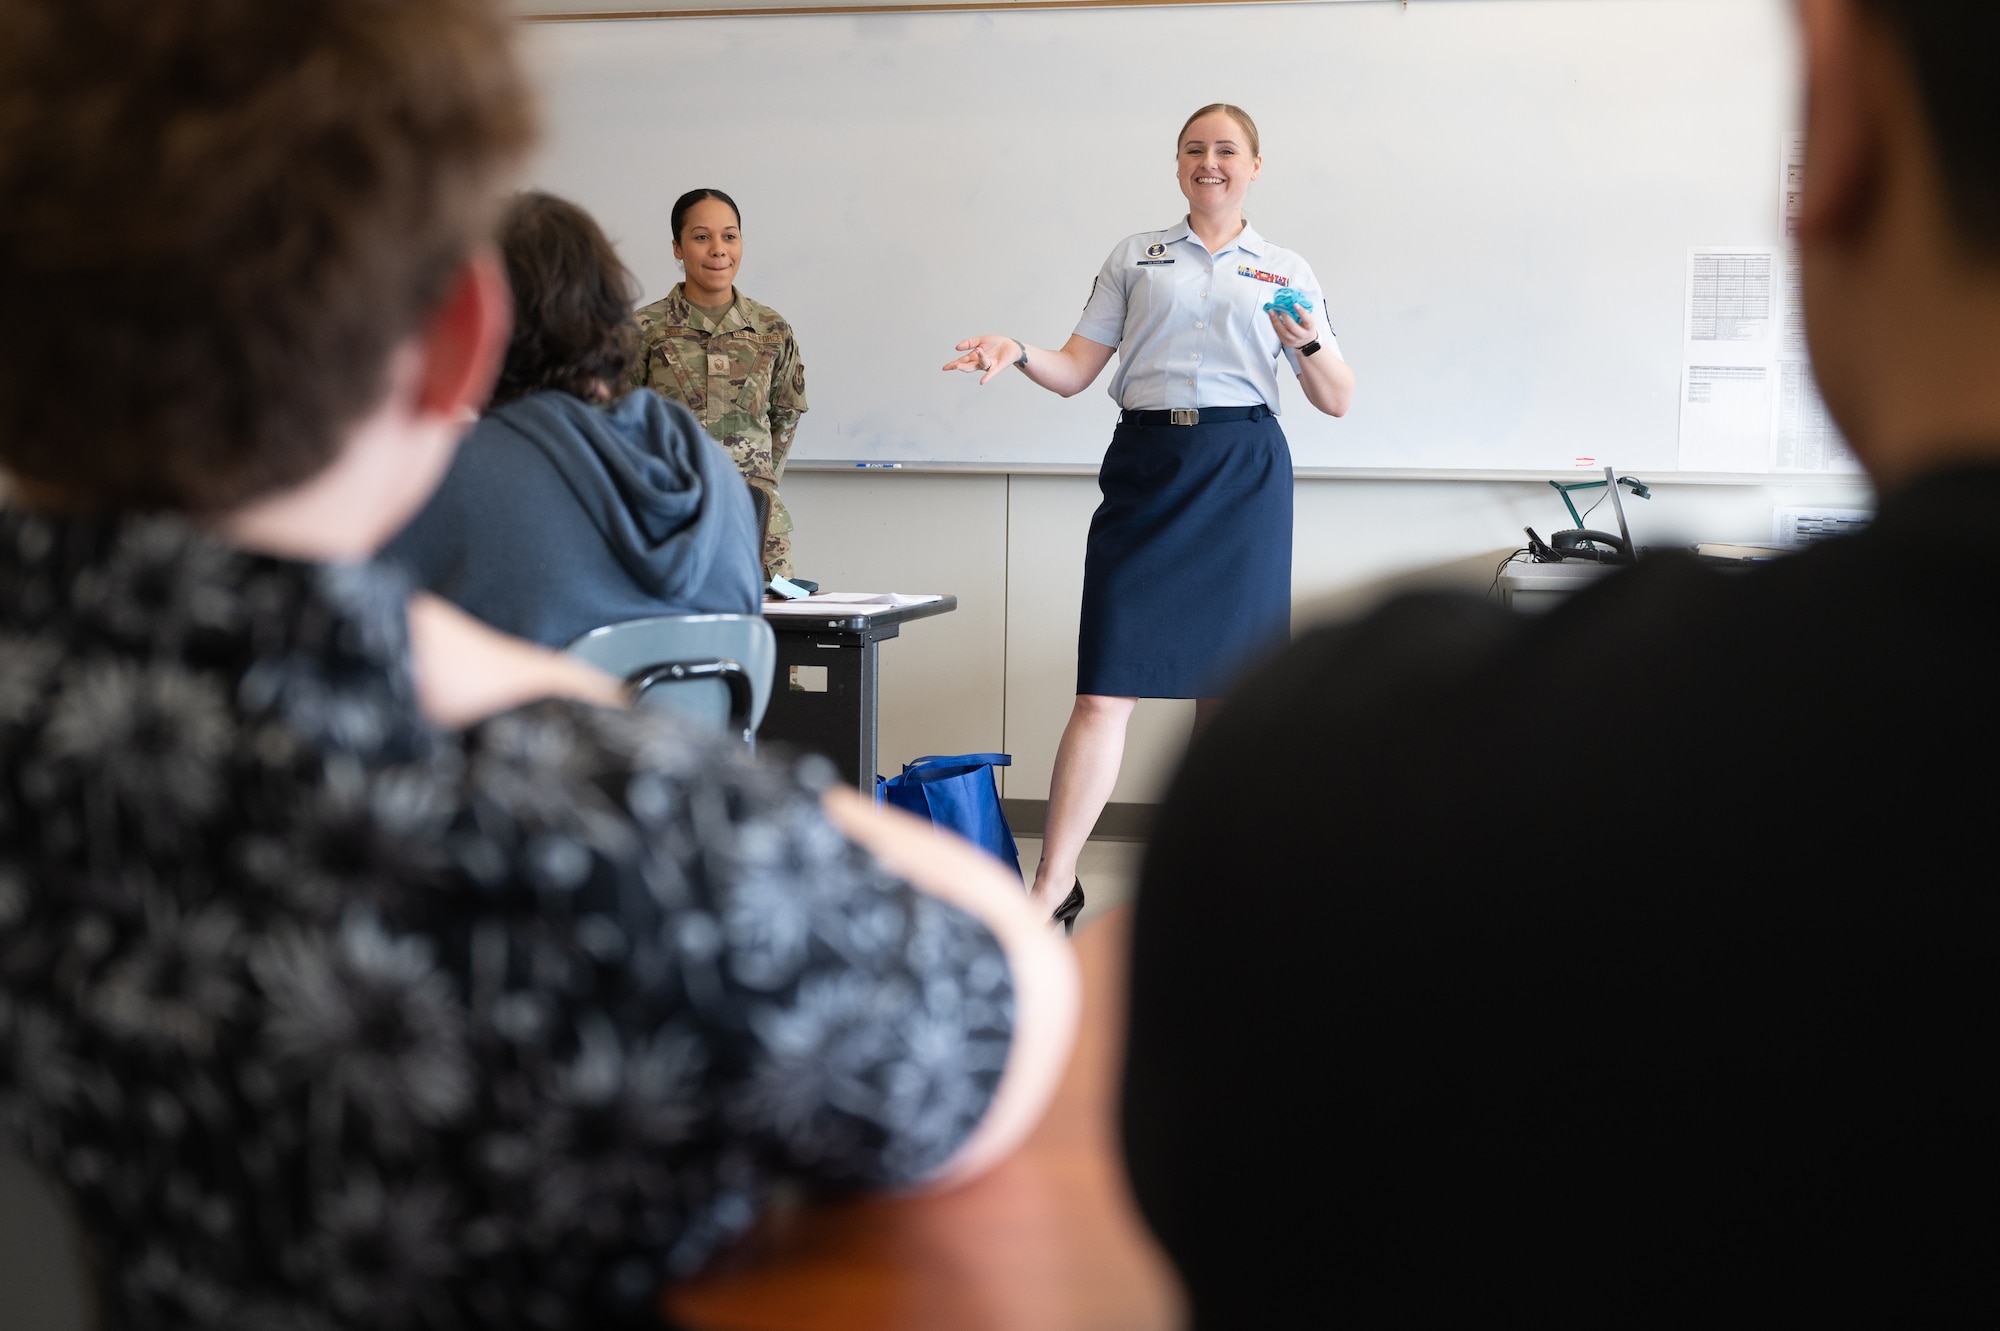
point(742, 378)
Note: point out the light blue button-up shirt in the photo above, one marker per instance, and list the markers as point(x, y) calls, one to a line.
point(1190, 326)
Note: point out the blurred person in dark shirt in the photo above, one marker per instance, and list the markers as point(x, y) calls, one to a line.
point(1397, 1053)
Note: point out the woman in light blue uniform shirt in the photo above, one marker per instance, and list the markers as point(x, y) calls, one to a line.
point(1189, 568)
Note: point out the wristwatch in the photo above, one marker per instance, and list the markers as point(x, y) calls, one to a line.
point(1309, 348)
point(1021, 361)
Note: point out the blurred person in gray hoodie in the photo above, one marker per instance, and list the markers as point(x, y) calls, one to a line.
point(565, 510)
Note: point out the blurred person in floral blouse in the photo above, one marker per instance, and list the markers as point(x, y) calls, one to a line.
point(360, 966)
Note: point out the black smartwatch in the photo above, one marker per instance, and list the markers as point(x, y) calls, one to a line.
point(1309, 348)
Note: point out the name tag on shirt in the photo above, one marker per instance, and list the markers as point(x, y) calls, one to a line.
point(1153, 263)
point(718, 365)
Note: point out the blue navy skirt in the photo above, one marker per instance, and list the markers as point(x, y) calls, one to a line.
point(1188, 576)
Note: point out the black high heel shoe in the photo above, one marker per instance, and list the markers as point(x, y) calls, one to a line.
point(1072, 906)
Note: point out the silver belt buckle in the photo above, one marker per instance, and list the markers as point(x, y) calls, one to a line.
point(1183, 416)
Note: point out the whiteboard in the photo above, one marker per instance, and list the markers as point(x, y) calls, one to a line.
point(1499, 196)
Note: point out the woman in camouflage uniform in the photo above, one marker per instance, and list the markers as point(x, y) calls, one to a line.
point(732, 362)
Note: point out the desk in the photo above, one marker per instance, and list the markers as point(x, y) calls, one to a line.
point(1536, 588)
point(1048, 1241)
point(829, 706)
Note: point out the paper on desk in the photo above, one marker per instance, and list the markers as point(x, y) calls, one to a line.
point(837, 603)
point(878, 598)
point(1748, 554)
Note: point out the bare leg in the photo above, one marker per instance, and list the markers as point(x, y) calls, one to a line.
point(1093, 744)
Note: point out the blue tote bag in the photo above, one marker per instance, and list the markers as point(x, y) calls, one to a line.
point(957, 792)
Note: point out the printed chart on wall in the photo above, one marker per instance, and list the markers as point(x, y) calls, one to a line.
point(1749, 401)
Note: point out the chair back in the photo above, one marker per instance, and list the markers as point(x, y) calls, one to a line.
point(714, 669)
point(45, 1281)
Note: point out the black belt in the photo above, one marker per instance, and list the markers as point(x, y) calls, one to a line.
point(1194, 415)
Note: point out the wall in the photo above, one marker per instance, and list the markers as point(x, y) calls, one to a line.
point(1000, 672)
point(1497, 194)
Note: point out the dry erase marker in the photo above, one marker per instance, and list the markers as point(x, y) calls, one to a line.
point(885, 466)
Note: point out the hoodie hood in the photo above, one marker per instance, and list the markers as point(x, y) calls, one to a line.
point(647, 475)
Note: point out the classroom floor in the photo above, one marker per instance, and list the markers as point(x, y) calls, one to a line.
point(1109, 870)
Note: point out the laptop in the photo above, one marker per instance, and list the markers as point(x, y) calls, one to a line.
point(1618, 507)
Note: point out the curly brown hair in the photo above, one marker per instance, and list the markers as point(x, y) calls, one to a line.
point(573, 326)
point(217, 220)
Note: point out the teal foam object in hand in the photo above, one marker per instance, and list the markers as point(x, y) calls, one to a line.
point(1289, 302)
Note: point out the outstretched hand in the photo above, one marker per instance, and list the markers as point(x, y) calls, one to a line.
point(988, 353)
